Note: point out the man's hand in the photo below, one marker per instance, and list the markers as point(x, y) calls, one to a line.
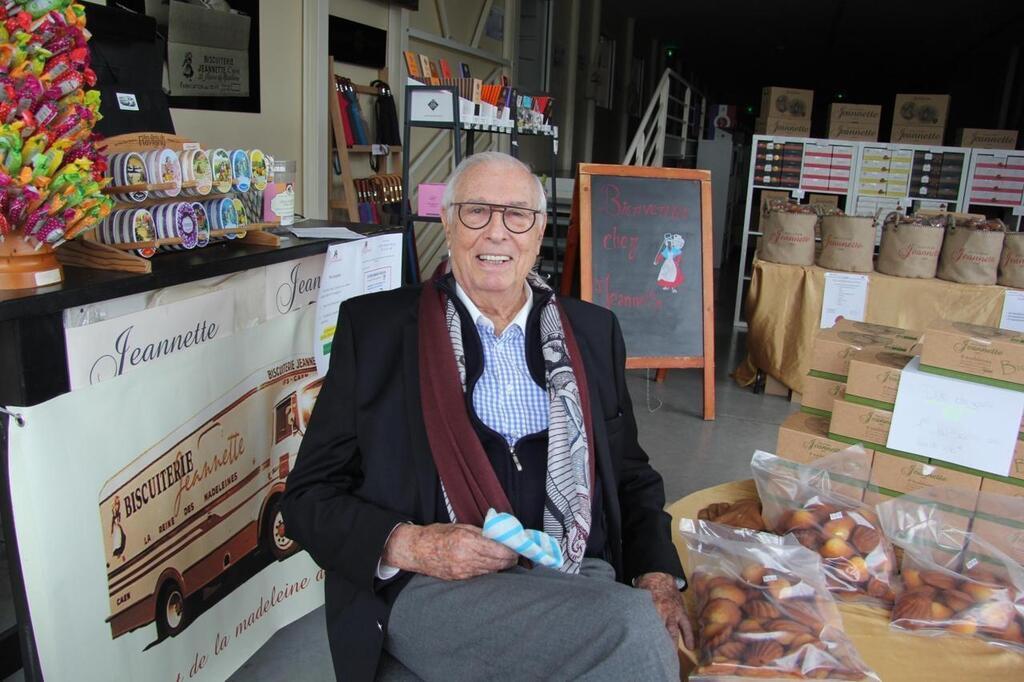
point(449, 551)
point(669, 602)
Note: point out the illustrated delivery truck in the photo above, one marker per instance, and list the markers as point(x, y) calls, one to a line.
point(206, 496)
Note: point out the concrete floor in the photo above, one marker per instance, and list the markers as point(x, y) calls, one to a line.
point(689, 453)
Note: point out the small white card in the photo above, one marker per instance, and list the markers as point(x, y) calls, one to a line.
point(1013, 311)
point(127, 101)
point(957, 421)
point(846, 296)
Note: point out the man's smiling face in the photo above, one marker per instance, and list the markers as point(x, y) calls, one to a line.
point(491, 264)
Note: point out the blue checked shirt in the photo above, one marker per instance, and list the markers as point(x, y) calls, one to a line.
point(506, 398)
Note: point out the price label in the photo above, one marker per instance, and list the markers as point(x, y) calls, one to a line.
point(835, 516)
point(770, 578)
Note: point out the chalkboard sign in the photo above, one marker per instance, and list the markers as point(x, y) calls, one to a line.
point(645, 254)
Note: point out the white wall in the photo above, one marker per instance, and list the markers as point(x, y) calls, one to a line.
point(277, 129)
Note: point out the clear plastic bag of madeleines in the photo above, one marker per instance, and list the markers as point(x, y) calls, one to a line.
point(819, 504)
point(763, 609)
point(958, 581)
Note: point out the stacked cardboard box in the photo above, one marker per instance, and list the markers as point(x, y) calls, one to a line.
point(854, 121)
point(959, 351)
point(976, 353)
point(862, 365)
point(803, 438)
point(785, 111)
point(982, 138)
point(919, 119)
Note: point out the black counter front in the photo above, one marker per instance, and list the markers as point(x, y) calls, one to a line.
point(32, 347)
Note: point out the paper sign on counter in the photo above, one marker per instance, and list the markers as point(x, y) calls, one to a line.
point(1013, 311)
point(351, 269)
point(846, 296)
point(956, 421)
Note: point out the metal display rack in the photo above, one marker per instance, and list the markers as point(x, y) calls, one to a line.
point(874, 178)
point(443, 104)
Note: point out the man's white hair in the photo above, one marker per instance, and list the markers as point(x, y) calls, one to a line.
point(471, 162)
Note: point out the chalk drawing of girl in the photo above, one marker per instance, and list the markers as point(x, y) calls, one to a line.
point(670, 257)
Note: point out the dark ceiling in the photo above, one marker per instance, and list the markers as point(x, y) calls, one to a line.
point(867, 51)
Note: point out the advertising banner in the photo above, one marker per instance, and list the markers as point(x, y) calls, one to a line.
point(146, 510)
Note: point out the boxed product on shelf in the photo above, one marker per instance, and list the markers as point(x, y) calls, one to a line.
point(874, 375)
point(792, 103)
point(920, 110)
point(999, 521)
point(974, 352)
point(833, 347)
point(787, 127)
point(854, 121)
point(856, 423)
point(819, 393)
point(896, 475)
point(917, 135)
point(803, 438)
point(984, 138)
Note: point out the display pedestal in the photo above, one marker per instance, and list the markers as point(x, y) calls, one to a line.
point(24, 267)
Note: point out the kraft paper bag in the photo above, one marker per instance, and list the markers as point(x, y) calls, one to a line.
point(847, 243)
point(909, 250)
point(1011, 263)
point(788, 238)
point(970, 255)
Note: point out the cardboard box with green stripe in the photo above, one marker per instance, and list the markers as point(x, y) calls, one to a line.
point(803, 438)
point(834, 347)
point(975, 353)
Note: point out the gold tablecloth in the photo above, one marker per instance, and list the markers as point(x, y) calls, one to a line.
point(895, 656)
point(783, 309)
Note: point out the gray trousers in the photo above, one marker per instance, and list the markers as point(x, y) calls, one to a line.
point(524, 624)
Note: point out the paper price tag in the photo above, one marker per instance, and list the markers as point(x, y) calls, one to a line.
point(797, 194)
point(379, 150)
point(835, 516)
point(770, 578)
point(1018, 210)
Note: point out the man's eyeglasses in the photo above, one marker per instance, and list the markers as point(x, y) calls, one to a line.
point(516, 218)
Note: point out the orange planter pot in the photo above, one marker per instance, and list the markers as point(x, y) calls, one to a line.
point(23, 267)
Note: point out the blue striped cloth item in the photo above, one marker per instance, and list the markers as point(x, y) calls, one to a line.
point(535, 545)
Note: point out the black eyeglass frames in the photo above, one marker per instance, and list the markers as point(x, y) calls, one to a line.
point(517, 219)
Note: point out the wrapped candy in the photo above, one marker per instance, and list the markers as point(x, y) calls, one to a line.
point(51, 175)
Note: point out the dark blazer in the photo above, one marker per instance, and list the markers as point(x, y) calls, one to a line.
point(365, 466)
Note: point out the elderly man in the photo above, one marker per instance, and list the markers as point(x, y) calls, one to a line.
point(480, 390)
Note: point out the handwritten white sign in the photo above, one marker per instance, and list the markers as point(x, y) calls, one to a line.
point(845, 296)
point(957, 421)
point(1013, 311)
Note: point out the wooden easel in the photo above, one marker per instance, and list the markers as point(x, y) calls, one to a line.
point(579, 242)
point(346, 199)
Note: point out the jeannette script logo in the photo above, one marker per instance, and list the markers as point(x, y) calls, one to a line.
point(296, 285)
point(915, 472)
point(127, 354)
point(961, 255)
point(973, 346)
point(837, 243)
point(784, 237)
point(917, 251)
point(1011, 259)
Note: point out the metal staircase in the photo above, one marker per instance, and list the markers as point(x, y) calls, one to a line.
point(674, 121)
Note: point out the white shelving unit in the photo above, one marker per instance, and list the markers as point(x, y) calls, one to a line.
point(876, 178)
